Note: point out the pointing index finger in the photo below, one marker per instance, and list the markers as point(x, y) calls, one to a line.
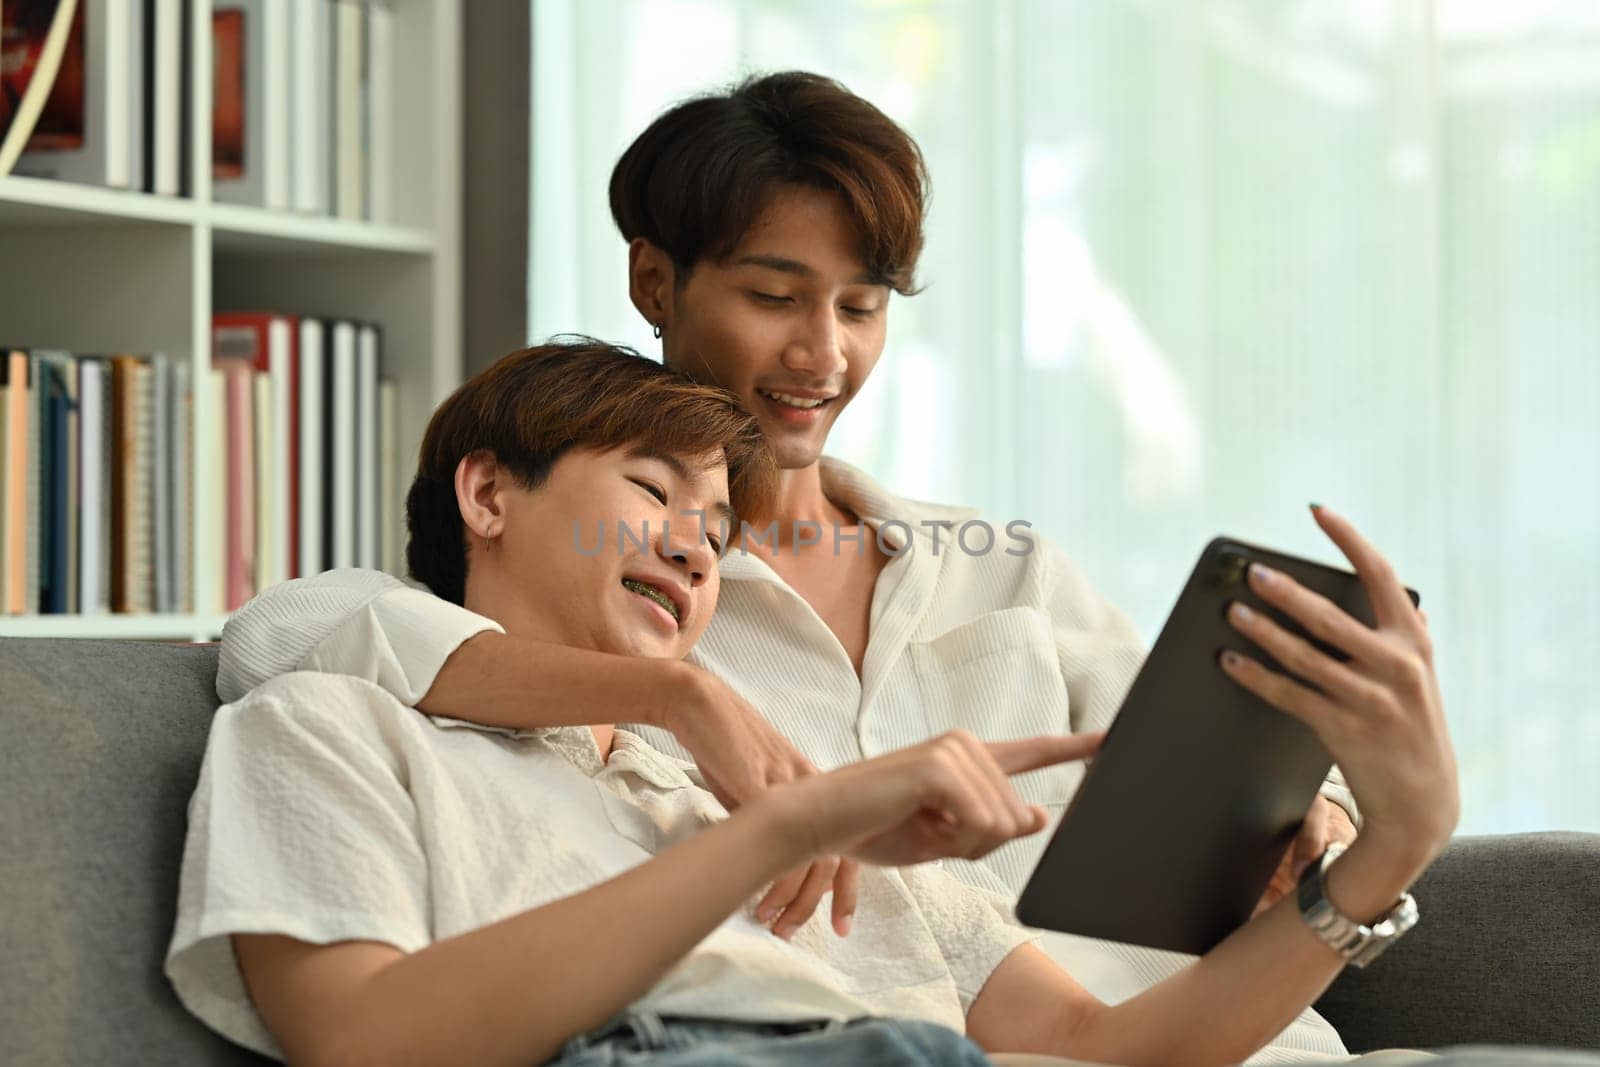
point(1015, 757)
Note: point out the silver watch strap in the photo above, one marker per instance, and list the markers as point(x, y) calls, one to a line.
point(1358, 944)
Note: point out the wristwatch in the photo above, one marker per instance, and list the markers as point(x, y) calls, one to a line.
point(1358, 944)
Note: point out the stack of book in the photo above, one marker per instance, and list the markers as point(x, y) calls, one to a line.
point(306, 438)
point(95, 494)
point(302, 117)
point(116, 113)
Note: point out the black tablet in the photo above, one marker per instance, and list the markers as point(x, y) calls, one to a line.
point(1185, 813)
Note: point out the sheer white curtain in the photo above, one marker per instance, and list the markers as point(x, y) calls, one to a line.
point(1192, 265)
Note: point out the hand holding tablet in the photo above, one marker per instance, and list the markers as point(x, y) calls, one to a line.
point(1209, 769)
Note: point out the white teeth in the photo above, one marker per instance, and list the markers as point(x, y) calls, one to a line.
point(795, 401)
point(654, 594)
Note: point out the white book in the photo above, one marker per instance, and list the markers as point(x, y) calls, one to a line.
point(103, 157)
point(166, 108)
point(349, 117)
point(311, 54)
point(134, 100)
point(380, 111)
point(266, 519)
point(280, 478)
point(342, 429)
point(91, 449)
point(182, 488)
point(389, 516)
point(215, 527)
point(311, 453)
point(161, 484)
point(368, 550)
point(275, 105)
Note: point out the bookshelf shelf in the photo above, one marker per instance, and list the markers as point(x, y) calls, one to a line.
point(248, 229)
point(41, 201)
point(89, 269)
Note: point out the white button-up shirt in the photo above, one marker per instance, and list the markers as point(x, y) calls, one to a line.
point(1006, 643)
point(328, 811)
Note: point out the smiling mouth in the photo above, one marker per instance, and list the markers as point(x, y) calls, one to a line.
point(650, 592)
point(799, 403)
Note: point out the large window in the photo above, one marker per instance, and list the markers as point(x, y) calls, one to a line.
point(1192, 265)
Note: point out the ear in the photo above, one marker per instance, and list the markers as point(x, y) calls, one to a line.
point(651, 277)
point(478, 487)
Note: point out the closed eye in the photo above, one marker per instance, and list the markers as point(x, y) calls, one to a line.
point(771, 298)
point(654, 490)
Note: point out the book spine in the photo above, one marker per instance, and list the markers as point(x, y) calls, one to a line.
point(368, 552)
point(5, 482)
point(38, 404)
point(390, 519)
point(183, 485)
point(380, 110)
point(141, 515)
point(342, 434)
point(266, 514)
point(167, 109)
point(164, 599)
point(349, 118)
point(91, 447)
point(16, 483)
point(241, 488)
point(312, 466)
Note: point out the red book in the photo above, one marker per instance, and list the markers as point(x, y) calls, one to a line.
point(269, 343)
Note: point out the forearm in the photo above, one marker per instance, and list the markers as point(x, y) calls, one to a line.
point(499, 680)
point(515, 991)
point(1232, 1001)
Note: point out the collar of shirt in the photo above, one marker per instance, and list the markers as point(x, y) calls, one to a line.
point(576, 745)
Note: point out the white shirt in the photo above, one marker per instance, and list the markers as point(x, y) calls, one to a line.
point(327, 810)
point(1003, 645)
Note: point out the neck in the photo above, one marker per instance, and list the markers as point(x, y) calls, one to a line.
point(801, 499)
point(489, 598)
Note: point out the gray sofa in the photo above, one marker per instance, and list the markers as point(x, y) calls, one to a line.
point(100, 745)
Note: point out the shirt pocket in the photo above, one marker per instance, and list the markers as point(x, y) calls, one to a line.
point(656, 819)
point(998, 677)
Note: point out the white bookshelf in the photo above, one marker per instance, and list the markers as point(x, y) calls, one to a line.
point(90, 269)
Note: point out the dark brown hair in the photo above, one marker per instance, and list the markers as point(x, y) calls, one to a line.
point(696, 180)
point(532, 406)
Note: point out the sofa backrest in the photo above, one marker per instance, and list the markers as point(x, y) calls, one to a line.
point(100, 747)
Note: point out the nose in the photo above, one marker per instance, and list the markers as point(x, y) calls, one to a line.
point(682, 545)
point(816, 350)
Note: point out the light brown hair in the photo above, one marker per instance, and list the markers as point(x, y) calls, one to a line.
point(531, 407)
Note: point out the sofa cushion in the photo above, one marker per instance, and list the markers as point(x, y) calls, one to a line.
point(100, 747)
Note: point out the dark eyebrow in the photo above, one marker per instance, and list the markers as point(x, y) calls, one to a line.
point(795, 267)
point(681, 469)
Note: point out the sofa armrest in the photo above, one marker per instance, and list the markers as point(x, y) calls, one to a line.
point(1507, 952)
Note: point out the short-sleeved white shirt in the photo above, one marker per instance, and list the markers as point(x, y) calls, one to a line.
point(327, 810)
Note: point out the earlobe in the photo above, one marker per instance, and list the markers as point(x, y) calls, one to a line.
point(477, 494)
point(650, 281)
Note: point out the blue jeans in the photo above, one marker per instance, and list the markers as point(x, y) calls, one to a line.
point(642, 1037)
